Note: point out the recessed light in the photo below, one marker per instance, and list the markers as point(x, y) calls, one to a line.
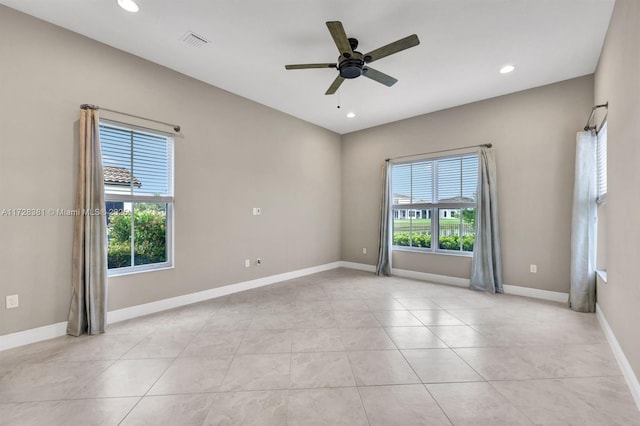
point(507, 69)
point(351, 115)
point(128, 5)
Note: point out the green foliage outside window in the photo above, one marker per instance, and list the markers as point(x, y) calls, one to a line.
point(150, 232)
point(469, 216)
point(404, 239)
point(416, 240)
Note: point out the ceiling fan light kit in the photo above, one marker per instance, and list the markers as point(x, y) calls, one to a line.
point(351, 63)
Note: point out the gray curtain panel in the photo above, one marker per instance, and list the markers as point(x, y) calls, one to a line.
point(486, 265)
point(88, 311)
point(582, 293)
point(384, 247)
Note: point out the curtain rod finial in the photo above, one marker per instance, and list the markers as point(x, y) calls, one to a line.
point(177, 128)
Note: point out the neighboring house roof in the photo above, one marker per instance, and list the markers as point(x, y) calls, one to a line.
point(458, 199)
point(401, 199)
point(396, 195)
point(404, 199)
point(119, 176)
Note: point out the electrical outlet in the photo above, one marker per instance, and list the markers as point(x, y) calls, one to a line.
point(257, 211)
point(533, 268)
point(364, 250)
point(258, 261)
point(247, 263)
point(12, 301)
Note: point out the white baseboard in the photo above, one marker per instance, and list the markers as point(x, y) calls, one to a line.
point(38, 334)
point(32, 335)
point(623, 362)
point(555, 296)
point(359, 266)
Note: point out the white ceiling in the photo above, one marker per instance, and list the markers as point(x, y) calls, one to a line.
point(463, 45)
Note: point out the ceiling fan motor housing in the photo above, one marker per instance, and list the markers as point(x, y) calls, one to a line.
point(351, 66)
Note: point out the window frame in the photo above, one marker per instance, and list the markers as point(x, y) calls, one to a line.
point(169, 201)
point(433, 207)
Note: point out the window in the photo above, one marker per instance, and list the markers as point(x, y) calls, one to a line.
point(602, 163)
point(444, 190)
point(138, 183)
point(601, 169)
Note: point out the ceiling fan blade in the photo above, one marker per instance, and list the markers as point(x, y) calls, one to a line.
point(305, 66)
point(378, 76)
point(339, 37)
point(391, 48)
point(334, 86)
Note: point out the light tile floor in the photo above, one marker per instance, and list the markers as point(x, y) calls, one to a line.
point(341, 347)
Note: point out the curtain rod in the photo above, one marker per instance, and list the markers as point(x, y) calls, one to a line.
point(593, 110)
point(486, 145)
point(96, 107)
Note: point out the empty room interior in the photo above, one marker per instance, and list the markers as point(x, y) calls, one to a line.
point(362, 213)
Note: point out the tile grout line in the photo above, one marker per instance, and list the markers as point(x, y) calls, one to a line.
point(355, 380)
point(511, 404)
point(424, 385)
point(235, 353)
point(140, 398)
point(162, 374)
point(88, 380)
point(418, 376)
point(130, 410)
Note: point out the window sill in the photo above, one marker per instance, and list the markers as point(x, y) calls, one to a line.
point(128, 271)
point(429, 251)
point(602, 273)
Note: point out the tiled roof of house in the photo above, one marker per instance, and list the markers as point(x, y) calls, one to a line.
point(119, 176)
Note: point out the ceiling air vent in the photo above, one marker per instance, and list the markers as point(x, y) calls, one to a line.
point(194, 39)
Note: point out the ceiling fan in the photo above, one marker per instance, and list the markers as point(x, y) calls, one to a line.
point(351, 63)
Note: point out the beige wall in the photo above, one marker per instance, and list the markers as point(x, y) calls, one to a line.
point(618, 82)
point(233, 155)
point(533, 133)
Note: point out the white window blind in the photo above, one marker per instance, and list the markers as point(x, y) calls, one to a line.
point(602, 163)
point(457, 179)
point(401, 178)
point(137, 164)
